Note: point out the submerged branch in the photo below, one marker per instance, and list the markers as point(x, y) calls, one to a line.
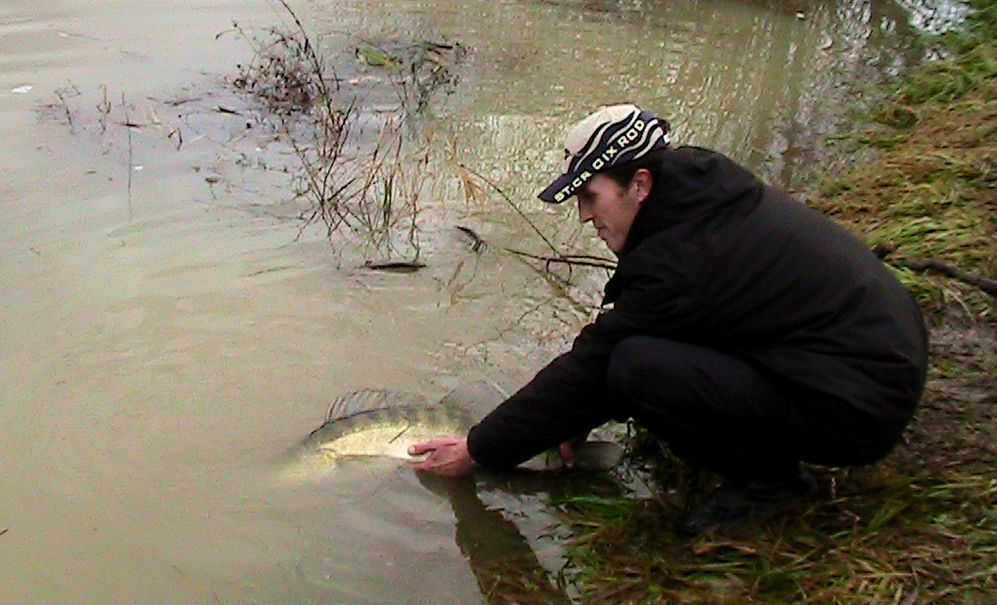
point(476, 242)
point(511, 203)
point(575, 260)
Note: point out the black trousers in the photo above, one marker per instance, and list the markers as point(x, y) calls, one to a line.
point(720, 411)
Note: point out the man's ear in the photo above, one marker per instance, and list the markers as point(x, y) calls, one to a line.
point(641, 184)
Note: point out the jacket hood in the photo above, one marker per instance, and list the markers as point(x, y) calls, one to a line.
point(691, 183)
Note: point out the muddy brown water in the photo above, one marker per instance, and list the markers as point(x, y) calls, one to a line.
point(165, 336)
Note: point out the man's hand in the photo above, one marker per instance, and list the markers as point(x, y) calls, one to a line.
point(567, 450)
point(448, 457)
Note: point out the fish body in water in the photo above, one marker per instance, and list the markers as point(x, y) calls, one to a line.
point(386, 432)
point(386, 423)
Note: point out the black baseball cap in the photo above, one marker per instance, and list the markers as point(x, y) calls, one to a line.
point(613, 135)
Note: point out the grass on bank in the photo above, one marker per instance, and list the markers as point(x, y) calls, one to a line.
point(931, 190)
point(921, 526)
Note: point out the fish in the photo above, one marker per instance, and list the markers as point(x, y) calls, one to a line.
point(388, 428)
point(385, 423)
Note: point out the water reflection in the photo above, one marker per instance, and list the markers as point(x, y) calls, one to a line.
point(762, 85)
point(504, 560)
point(492, 545)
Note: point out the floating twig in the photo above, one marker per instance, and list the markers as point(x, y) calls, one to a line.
point(104, 109)
point(403, 266)
point(128, 125)
point(575, 260)
point(176, 131)
point(63, 94)
point(271, 270)
point(476, 242)
point(578, 260)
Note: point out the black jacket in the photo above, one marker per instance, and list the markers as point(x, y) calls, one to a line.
point(718, 259)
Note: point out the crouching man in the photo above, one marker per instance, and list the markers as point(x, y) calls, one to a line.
point(747, 331)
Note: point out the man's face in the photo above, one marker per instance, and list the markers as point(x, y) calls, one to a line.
point(611, 208)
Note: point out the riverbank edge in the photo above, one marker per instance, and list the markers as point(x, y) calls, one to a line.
point(920, 526)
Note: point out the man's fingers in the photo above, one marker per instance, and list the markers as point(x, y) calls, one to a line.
point(418, 449)
point(422, 465)
point(447, 457)
point(430, 464)
point(568, 454)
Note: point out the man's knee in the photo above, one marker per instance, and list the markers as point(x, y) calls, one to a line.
point(624, 363)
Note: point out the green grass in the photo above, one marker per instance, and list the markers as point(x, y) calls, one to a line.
point(930, 190)
point(875, 535)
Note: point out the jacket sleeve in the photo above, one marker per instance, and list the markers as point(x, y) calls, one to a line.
point(569, 396)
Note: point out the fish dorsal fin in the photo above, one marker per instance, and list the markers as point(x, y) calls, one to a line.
point(477, 398)
point(368, 400)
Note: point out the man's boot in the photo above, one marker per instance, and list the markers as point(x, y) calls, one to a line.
point(734, 504)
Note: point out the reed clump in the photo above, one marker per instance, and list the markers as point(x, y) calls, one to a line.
point(360, 170)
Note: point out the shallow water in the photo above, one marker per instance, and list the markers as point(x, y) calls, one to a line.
point(167, 336)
